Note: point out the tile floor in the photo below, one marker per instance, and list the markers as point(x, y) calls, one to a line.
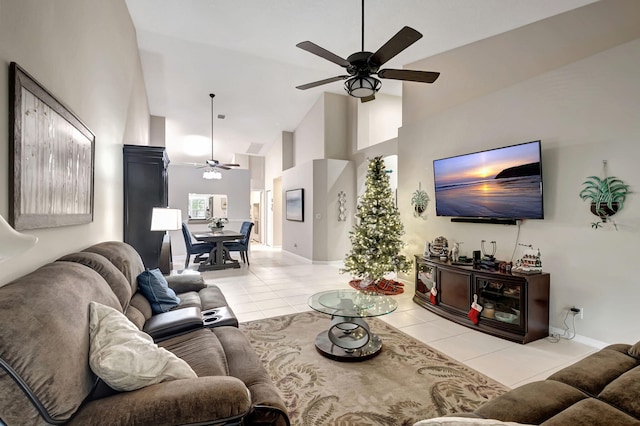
point(278, 283)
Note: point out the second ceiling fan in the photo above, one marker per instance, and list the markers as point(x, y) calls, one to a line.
point(212, 164)
point(361, 66)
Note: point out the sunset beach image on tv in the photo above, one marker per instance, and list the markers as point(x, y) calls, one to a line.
point(500, 183)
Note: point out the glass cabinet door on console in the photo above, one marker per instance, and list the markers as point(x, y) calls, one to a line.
point(501, 300)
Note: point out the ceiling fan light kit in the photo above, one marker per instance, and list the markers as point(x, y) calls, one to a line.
point(362, 86)
point(360, 66)
point(211, 175)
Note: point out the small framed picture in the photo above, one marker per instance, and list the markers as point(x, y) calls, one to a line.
point(294, 202)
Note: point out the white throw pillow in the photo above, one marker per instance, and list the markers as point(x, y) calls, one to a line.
point(127, 358)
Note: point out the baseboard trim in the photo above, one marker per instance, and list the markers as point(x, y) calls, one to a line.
point(581, 339)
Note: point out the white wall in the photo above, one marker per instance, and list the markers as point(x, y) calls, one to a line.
point(331, 236)
point(308, 138)
point(336, 127)
point(378, 121)
point(584, 112)
point(297, 237)
point(185, 179)
point(85, 53)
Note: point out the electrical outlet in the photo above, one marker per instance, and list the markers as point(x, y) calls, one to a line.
point(578, 311)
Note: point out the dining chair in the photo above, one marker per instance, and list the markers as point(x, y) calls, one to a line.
point(199, 249)
point(242, 245)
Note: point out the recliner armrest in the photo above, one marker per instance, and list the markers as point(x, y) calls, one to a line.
point(186, 282)
point(172, 323)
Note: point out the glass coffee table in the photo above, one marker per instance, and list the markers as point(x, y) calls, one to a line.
point(349, 337)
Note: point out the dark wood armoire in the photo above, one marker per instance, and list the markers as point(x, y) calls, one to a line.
point(145, 186)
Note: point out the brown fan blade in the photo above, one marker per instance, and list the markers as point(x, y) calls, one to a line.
point(368, 98)
point(409, 75)
point(321, 82)
point(231, 165)
point(396, 44)
point(220, 166)
point(323, 53)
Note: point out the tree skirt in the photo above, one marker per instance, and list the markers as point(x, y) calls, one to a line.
point(408, 381)
point(383, 286)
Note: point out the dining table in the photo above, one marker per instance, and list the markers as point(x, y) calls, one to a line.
point(219, 257)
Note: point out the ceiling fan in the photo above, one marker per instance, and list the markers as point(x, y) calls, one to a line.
point(212, 165)
point(360, 66)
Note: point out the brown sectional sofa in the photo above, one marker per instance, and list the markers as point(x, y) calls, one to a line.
point(602, 389)
point(45, 377)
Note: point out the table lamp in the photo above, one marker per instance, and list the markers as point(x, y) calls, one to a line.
point(166, 219)
point(13, 242)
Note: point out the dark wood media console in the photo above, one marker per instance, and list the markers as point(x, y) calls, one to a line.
point(516, 306)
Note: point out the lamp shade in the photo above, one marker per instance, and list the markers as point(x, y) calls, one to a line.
point(13, 242)
point(165, 219)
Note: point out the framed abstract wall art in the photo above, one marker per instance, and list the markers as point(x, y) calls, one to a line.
point(51, 158)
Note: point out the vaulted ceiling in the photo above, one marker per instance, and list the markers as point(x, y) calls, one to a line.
point(245, 52)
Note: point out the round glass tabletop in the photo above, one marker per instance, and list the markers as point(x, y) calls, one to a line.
point(352, 303)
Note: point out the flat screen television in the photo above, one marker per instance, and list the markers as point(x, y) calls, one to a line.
point(502, 183)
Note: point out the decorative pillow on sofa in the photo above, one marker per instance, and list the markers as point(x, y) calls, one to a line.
point(126, 358)
point(155, 288)
point(634, 351)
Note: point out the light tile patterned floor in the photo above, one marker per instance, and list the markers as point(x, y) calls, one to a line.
point(278, 283)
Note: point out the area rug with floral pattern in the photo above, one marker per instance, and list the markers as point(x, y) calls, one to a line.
point(408, 381)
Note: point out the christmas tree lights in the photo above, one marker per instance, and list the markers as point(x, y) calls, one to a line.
point(375, 238)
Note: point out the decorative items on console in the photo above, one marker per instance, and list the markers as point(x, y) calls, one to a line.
point(438, 248)
point(530, 262)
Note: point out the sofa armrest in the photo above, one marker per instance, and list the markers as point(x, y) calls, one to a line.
point(185, 283)
point(167, 324)
point(201, 400)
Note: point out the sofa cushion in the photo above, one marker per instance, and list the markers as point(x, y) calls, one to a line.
point(125, 357)
point(531, 403)
point(139, 310)
point(124, 257)
point(190, 299)
point(155, 288)
point(596, 371)
point(634, 351)
point(202, 350)
point(591, 412)
point(624, 392)
point(105, 268)
point(44, 340)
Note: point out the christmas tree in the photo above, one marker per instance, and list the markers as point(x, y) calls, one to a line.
point(375, 238)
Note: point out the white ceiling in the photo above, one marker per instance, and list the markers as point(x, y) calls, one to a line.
point(244, 51)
